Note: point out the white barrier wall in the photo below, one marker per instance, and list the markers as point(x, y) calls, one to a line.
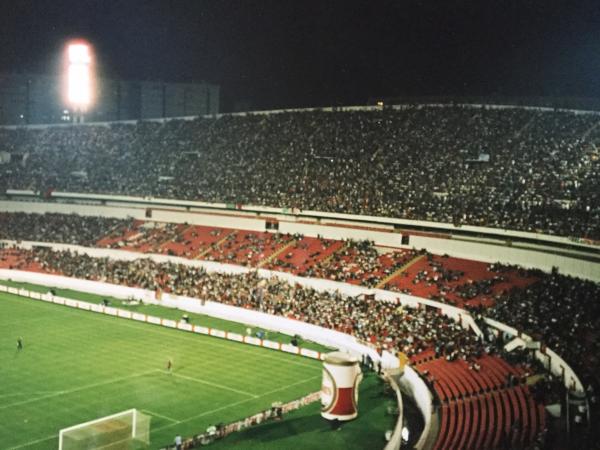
point(285, 326)
point(288, 326)
point(389, 239)
point(124, 212)
point(396, 440)
point(525, 257)
point(223, 221)
point(119, 212)
point(411, 383)
point(280, 324)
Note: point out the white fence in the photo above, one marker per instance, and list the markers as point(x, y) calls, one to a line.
point(121, 292)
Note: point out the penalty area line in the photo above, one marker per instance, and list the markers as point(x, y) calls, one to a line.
point(77, 389)
point(217, 385)
point(37, 441)
point(161, 416)
point(230, 405)
point(19, 394)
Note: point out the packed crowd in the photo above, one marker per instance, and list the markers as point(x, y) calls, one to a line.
point(427, 163)
point(454, 286)
point(62, 228)
point(563, 312)
point(385, 325)
point(359, 262)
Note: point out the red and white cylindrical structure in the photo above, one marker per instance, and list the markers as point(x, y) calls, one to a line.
point(339, 390)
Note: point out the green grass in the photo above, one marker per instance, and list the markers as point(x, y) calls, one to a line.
point(77, 366)
point(306, 429)
point(166, 313)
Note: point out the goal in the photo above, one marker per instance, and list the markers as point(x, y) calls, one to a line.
point(122, 431)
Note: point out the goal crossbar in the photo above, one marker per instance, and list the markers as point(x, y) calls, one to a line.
point(132, 419)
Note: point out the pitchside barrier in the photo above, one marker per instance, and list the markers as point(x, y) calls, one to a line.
point(180, 325)
point(225, 430)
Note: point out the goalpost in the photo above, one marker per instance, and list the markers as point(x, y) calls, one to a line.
point(122, 431)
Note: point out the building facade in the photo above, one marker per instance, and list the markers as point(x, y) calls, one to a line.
point(37, 99)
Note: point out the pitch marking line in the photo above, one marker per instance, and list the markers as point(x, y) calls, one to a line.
point(28, 393)
point(209, 383)
point(186, 335)
point(37, 441)
point(230, 405)
point(173, 421)
point(162, 416)
point(81, 388)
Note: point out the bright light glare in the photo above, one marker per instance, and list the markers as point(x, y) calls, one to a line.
point(79, 85)
point(79, 79)
point(79, 54)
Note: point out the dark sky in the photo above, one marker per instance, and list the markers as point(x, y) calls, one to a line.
point(284, 53)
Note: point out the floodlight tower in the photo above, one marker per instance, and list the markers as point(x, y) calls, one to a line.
point(79, 78)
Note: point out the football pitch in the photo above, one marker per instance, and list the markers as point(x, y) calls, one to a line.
point(77, 366)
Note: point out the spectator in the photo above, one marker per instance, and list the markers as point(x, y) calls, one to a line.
point(415, 163)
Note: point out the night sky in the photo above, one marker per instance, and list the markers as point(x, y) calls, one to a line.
point(283, 53)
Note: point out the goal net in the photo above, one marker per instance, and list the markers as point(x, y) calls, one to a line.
point(122, 431)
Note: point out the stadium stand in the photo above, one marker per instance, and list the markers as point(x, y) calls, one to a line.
point(509, 168)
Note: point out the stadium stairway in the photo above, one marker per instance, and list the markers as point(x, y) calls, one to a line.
point(327, 261)
point(383, 283)
point(215, 245)
point(306, 253)
point(275, 254)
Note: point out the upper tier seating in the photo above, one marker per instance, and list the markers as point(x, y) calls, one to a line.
point(424, 163)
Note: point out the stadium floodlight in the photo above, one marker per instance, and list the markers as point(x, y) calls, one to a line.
point(125, 430)
point(79, 75)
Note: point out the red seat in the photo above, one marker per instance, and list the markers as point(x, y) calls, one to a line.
point(491, 422)
point(508, 411)
point(468, 423)
point(460, 424)
point(500, 418)
point(533, 419)
point(483, 415)
point(475, 422)
point(443, 428)
point(524, 414)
